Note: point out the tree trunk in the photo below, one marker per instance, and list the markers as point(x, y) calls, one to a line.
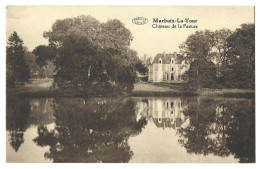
point(45, 72)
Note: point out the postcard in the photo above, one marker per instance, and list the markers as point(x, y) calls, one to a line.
point(130, 84)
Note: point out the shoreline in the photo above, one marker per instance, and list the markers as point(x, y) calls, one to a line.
point(42, 88)
point(57, 93)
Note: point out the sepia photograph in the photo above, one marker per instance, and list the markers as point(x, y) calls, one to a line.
point(130, 84)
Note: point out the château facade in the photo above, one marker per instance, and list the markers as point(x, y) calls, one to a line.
point(167, 68)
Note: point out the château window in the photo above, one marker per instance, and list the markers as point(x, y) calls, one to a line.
point(172, 104)
point(160, 61)
point(172, 69)
point(172, 61)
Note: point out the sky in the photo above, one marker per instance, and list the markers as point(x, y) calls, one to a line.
point(31, 21)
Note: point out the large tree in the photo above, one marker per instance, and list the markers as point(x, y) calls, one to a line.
point(233, 55)
point(91, 53)
point(197, 51)
point(220, 51)
point(241, 55)
point(15, 59)
point(198, 46)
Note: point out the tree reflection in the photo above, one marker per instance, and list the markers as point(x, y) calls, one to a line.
point(23, 112)
point(16, 120)
point(220, 128)
point(241, 130)
point(94, 130)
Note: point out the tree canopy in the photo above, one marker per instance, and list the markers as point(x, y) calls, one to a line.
point(241, 54)
point(91, 54)
point(44, 54)
point(198, 46)
point(233, 55)
point(197, 50)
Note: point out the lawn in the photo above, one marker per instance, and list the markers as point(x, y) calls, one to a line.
point(165, 89)
point(151, 87)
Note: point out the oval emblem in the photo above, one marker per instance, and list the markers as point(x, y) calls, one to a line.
point(140, 20)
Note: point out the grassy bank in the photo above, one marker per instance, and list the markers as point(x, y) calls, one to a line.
point(162, 94)
point(54, 93)
point(140, 90)
point(69, 93)
point(175, 90)
point(33, 93)
point(188, 94)
point(227, 92)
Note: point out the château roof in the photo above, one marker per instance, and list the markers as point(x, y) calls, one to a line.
point(166, 58)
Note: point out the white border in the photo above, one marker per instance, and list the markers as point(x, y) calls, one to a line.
point(132, 2)
point(3, 3)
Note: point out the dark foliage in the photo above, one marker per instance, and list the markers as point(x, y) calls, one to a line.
point(220, 128)
point(139, 66)
point(202, 73)
point(89, 55)
point(233, 54)
point(17, 68)
point(241, 53)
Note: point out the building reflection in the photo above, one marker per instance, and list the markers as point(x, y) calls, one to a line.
point(221, 127)
point(164, 112)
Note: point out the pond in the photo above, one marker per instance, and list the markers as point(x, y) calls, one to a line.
point(131, 130)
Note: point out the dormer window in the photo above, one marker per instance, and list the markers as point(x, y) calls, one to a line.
point(160, 61)
point(172, 61)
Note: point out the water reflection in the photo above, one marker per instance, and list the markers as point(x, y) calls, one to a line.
point(16, 123)
point(23, 113)
point(99, 129)
point(94, 130)
point(213, 126)
point(220, 127)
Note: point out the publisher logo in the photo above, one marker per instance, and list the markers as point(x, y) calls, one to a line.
point(140, 20)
